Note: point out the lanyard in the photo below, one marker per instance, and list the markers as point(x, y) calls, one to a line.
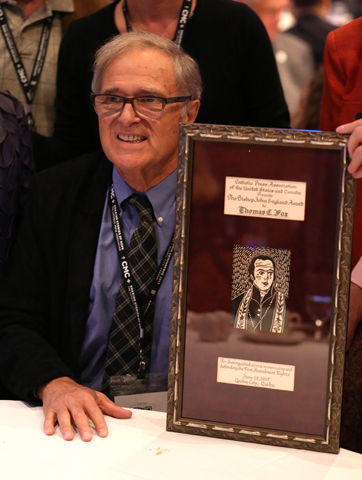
point(128, 277)
point(28, 87)
point(184, 16)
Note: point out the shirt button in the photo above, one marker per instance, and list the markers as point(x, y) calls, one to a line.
point(160, 219)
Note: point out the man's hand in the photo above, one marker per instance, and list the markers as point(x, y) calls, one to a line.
point(355, 312)
point(354, 146)
point(66, 402)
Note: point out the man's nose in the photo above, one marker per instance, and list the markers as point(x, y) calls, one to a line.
point(128, 115)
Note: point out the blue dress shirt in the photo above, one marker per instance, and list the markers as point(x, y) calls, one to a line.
point(107, 277)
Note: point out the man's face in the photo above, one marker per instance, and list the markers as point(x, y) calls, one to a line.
point(270, 12)
point(263, 274)
point(141, 148)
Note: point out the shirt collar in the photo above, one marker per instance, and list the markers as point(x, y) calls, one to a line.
point(162, 196)
point(61, 5)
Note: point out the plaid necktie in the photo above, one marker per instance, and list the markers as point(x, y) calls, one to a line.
point(123, 352)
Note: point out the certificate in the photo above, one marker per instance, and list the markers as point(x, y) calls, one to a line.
point(261, 285)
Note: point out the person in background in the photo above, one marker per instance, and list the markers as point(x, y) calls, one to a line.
point(341, 105)
point(16, 169)
point(95, 230)
point(226, 38)
point(342, 91)
point(342, 97)
point(293, 56)
point(82, 8)
point(307, 116)
point(32, 31)
point(311, 25)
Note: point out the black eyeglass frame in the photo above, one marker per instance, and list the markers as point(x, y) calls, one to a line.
point(165, 101)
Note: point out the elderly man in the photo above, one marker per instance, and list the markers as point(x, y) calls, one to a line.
point(79, 302)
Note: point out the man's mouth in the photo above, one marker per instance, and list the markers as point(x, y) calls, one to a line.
point(132, 138)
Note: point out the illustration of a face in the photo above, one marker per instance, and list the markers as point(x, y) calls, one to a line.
point(263, 275)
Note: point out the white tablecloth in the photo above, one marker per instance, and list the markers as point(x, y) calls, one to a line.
point(140, 448)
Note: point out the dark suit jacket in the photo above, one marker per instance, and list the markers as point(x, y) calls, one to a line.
point(44, 292)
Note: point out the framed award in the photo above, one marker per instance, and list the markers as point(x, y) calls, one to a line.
point(261, 285)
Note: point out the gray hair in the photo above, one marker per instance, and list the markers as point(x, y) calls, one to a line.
point(187, 73)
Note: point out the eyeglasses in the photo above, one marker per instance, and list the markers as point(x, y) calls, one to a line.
point(145, 107)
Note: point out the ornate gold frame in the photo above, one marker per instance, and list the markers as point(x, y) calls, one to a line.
point(189, 134)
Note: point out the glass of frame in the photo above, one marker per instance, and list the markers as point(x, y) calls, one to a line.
point(261, 285)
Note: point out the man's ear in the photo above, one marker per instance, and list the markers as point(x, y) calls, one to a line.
point(252, 277)
point(192, 111)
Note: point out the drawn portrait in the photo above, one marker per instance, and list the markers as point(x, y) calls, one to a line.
point(260, 287)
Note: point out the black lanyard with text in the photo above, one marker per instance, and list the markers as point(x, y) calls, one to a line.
point(128, 278)
point(29, 88)
point(184, 16)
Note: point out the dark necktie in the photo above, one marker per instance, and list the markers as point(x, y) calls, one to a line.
point(123, 354)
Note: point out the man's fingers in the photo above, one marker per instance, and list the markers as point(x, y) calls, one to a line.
point(354, 146)
point(81, 422)
point(91, 408)
point(355, 129)
point(69, 403)
point(65, 424)
point(63, 419)
point(349, 127)
point(49, 423)
point(110, 408)
point(355, 167)
point(95, 414)
point(354, 140)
